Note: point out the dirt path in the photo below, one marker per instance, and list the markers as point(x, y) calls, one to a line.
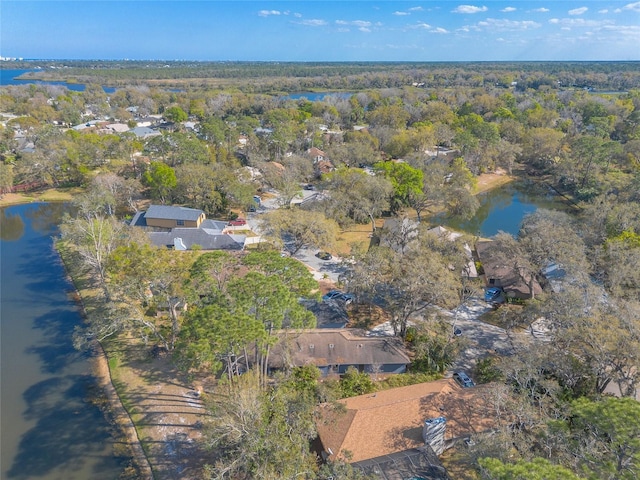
point(167, 409)
point(119, 414)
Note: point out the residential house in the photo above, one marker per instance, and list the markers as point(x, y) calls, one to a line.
point(469, 269)
point(384, 423)
point(316, 154)
point(116, 128)
point(324, 166)
point(401, 234)
point(183, 228)
point(145, 132)
point(416, 463)
point(206, 239)
point(320, 161)
point(165, 216)
point(515, 283)
point(333, 351)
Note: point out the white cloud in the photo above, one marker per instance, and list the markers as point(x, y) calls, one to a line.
point(495, 24)
point(469, 9)
point(416, 9)
point(266, 13)
point(603, 11)
point(354, 23)
point(315, 22)
point(540, 10)
point(632, 6)
point(297, 15)
point(364, 29)
point(631, 31)
point(580, 22)
point(425, 26)
point(439, 30)
point(400, 14)
point(508, 9)
point(578, 11)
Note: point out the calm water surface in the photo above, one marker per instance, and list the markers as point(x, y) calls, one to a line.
point(504, 208)
point(8, 77)
point(50, 428)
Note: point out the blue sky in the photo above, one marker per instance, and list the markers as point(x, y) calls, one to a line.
point(327, 30)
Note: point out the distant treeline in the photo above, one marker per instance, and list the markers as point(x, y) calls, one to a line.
point(292, 76)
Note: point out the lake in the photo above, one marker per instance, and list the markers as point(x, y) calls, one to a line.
point(52, 424)
point(8, 77)
point(503, 208)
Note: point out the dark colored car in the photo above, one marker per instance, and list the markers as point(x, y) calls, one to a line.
point(492, 294)
point(324, 255)
point(332, 294)
point(238, 222)
point(347, 298)
point(308, 186)
point(463, 380)
point(457, 332)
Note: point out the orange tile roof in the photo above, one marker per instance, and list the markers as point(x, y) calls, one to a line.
point(390, 421)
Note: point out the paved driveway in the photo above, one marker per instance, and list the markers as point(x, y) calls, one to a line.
point(480, 338)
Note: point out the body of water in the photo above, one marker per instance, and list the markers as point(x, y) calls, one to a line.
point(8, 77)
point(502, 209)
point(317, 96)
point(52, 424)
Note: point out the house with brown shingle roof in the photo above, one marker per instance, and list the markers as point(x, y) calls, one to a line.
point(316, 154)
point(391, 421)
point(516, 284)
point(334, 350)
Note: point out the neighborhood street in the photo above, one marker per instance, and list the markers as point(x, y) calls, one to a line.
point(480, 338)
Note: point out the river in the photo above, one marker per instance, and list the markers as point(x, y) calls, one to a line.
point(52, 424)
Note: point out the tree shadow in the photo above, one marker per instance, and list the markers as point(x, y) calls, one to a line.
point(69, 433)
point(56, 350)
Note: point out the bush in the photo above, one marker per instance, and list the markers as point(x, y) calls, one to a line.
point(486, 371)
point(355, 383)
point(406, 379)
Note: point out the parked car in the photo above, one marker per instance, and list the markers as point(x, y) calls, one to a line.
point(457, 332)
point(324, 255)
point(463, 380)
point(332, 294)
point(308, 186)
point(347, 298)
point(238, 222)
point(492, 294)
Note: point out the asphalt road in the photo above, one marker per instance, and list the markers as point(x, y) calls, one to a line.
point(481, 339)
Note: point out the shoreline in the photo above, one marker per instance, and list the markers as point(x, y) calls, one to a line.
point(99, 361)
point(118, 415)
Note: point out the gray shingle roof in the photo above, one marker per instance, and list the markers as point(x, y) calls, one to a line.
point(168, 212)
point(413, 463)
point(197, 236)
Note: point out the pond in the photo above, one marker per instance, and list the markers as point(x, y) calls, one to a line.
point(503, 209)
point(52, 424)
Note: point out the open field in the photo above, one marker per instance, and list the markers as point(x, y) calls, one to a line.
point(48, 195)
